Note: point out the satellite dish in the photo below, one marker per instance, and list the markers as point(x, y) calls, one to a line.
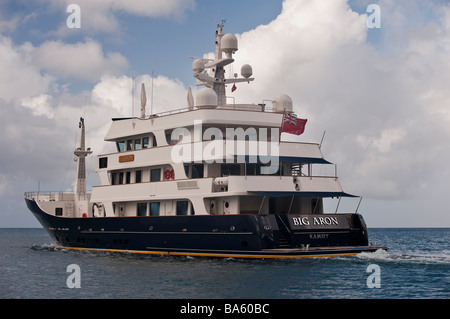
point(206, 98)
point(229, 44)
point(282, 103)
point(198, 65)
point(246, 71)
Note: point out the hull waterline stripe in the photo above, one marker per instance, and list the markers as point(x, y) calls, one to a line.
point(222, 255)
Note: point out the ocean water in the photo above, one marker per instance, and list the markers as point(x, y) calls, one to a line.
point(417, 266)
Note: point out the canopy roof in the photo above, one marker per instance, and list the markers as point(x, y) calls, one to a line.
point(303, 194)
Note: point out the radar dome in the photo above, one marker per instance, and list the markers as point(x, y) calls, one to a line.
point(198, 65)
point(229, 43)
point(246, 71)
point(282, 103)
point(206, 97)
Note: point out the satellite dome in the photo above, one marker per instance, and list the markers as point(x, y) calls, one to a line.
point(206, 97)
point(283, 103)
point(246, 71)
point(229, 43)
point(198, 65)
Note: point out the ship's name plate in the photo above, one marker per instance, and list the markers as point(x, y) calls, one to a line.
point(337, 221)
point(126, 158)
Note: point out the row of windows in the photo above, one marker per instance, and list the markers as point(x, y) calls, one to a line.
point(125, 177)
point(140, 143)
point(153, 208)
point(135, 144)
point(192, 171)
point(118, 178)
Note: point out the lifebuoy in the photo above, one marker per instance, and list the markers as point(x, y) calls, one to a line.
point(169, 174)
point(84, 215)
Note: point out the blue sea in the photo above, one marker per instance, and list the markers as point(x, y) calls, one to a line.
point(417, 266)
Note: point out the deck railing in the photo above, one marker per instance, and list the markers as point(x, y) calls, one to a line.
point(50, 196)
point(242, 107)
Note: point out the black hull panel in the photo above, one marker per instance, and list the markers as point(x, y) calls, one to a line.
point(240, 236)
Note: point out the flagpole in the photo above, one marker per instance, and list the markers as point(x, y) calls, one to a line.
point(282, 124)
point(151, 101)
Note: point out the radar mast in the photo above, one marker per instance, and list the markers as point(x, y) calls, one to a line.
point(228, 44)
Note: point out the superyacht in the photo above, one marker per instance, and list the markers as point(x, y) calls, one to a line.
point(213, 179)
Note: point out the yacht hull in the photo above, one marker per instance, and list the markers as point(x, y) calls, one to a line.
point(236, 236)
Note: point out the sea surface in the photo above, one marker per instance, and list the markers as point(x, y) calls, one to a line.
point(416, 266)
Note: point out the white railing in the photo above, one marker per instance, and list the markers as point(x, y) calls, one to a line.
point(245, 107)
point(50, 196)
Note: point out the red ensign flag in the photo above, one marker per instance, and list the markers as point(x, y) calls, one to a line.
point(293, 125)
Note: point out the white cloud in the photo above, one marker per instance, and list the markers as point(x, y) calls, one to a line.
point(82, 60)
point(101, 15)
point(383, 110)
point(19, 76)
point(29, 71)
point(383, 144)
point(39, 105)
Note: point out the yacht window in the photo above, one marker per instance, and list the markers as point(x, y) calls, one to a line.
point(138, 176)
point(129, 145)
point(155, 175)
point(58, 211)
point(168, 138)
point(121, 146)
point(145, 142)
point(154, 208)
point(128, 177)
point(197, 171)
point(253, 168)
point(137, 144)
point(182, 207)
point(113, 178)
point(121, 178)
point(154, 141)
point(186, 170)
point(103, 162)
point(142, 209)
point(230, 169)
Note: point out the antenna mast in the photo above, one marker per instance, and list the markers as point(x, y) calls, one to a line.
point(228, 44)
point(81, 153)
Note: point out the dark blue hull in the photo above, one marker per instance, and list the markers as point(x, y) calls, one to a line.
point(242, 236)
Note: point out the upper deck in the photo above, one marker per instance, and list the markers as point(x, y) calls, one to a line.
point(249, 115)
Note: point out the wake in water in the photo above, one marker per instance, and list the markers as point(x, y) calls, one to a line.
point(380, 255)
point(47, 247)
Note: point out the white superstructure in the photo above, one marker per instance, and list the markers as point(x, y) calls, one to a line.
point(207, 158)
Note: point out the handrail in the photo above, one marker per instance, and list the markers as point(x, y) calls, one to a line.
point(282, 221)
point(233, 106)
point(48, 195)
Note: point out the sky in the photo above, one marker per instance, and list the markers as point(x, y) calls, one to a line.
point(379, 92)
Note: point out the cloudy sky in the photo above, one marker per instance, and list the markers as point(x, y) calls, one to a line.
point(381, 94)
